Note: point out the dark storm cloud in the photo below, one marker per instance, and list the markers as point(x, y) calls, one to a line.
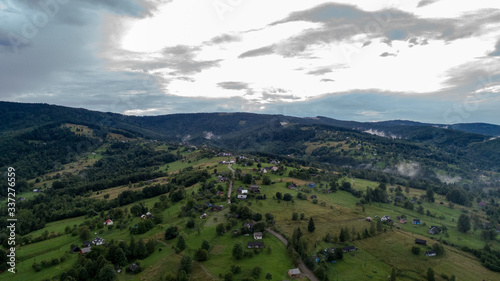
point(54, 58)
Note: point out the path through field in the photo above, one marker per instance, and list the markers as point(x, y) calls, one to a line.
point(302, 266)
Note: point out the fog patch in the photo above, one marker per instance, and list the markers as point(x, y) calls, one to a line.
point(410, 169)
point(208, 135)
point(448, 179)
point(382, 134)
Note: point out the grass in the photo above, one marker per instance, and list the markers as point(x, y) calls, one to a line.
point(374, 261)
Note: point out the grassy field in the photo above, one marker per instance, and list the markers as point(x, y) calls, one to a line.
point(374, 260)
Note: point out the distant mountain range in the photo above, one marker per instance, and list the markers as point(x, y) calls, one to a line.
point(24, 115)
point(459, 150)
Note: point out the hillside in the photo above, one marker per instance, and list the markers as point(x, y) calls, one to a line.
point(151, 188)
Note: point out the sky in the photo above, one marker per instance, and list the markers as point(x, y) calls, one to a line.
point(434, 61)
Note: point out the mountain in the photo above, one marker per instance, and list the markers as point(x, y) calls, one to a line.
point(449, 150)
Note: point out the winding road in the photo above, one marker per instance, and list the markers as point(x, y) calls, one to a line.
point(303, 268)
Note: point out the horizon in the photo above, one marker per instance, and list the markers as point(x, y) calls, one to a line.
point(236, 112)
point(429, 61)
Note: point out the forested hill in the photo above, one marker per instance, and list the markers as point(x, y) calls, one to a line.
point(381, 145)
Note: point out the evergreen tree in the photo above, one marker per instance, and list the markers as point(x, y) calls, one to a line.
point(181, 243)
point(311, 227)
point(141, 251)
point(463, 223)
point(238, 251)
point(120, 257)
point(430, 275)
point(107, 273)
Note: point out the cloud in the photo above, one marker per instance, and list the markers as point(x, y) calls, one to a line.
point(267, 50)
point(341, 22)
point(223, 38)
point(181, 59)
point(327, 80)
point(387, 54)
point(233, 85)
point(424, 3)
point(320, 71)
point(496, 52)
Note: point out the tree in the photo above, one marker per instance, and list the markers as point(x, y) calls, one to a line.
point(287, 197)
point(438, 248)
point(269, 276)
point(256, 271)
point(311, 227)
point(120, 257)
point(205, 245)
point(140, 250)
point(415, 250)
point(84, 233)
point(201, 255)
point(266, 180)
point(181, 243)
point(430, 195)
point(430, 275)
point(295, 216)
point(107, 273)
point(220, 229)
point(238, 251)
point(269, 217)
point(186, 264)
point(463, 223)
point(190, 223)
point(247, 179)
point(171, 232)
point(279, 195)
point(393, 275)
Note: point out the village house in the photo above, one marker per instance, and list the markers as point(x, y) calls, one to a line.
point(402, 220)
point(143, 217)
point(292, 186)
point(98, 241)
point(257, 235)
point(349, 249)
point(84, 251)
point(217, 208)
point(75, 249)
point(108, 222)
point(315, 258)
point(256, 245)
point(294, 273)
point(420, 242)
point(133, 267)
point(242, 196)
point(430, 253)
point(433, 230)
point(415, 221)
point(86, 244)
point(482, 204)
point(149, 215)
point(204, 215)
point(314, 197)
point(311, 185)
point(368, 218)
point(386, 218)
